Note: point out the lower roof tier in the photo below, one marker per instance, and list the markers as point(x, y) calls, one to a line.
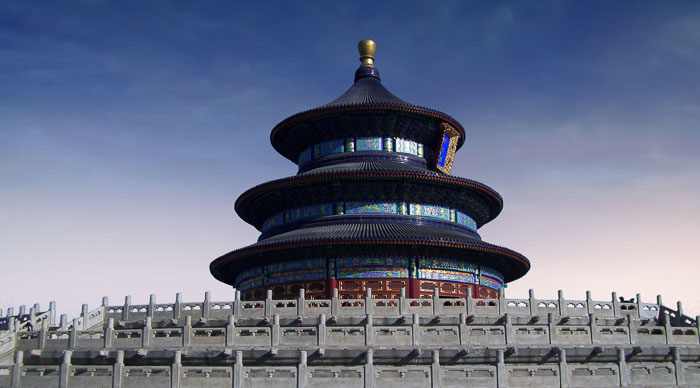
point(336, 240)
point(369, 181)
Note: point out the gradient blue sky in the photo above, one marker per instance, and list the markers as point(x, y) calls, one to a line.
point(128, 129)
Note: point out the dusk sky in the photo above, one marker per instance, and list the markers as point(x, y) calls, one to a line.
point(128, 129)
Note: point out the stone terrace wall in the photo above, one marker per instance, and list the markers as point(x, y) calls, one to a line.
point(404, 342)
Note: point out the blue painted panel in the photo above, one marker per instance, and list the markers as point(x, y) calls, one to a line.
point(305, 156)
point(430, 211)
point(370, 208)
point(368, 144)
point(465, 220)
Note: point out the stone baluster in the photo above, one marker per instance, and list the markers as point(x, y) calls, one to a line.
point(238, 370)
point(533, 302)
point(43, 333)
point(435, 369)
point(151, 305)
point(437, 305)
point(369, 330)
point(109, 333)
point(502, 301)
point(632, 328)
point(268, 303)
point(501, 374)
point(463, 337)
point(177, 309)
point(17, 368)
point(563, 369)
point(403, 307)
point(508, 328)
point(616, 305)
point(230, 326)
point(322, 331)
point(369, 368)
point(127, 308)
point(551, 326)
point(73, 334)
point(639, 305)
point(622, 365)
point(64, 370)
point(52, 313)
point(368, 301)
point(63, 323)
point(147, 332)
point(85, 317)
point(187, 331)
point(678, 366)
point(563, 309)
point(593, 325)
point(335, 304)
point(118, 373)
point(176, 369)
point(275, 331)
point(590, 306)
point(302, 370)
point(470, 301)
point(415, 328)
point(206, 306)
point(301, 303)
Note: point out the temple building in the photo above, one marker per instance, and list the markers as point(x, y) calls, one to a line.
point(369, 272)
point(373, 206)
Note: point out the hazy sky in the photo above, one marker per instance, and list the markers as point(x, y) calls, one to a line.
point(128, 129)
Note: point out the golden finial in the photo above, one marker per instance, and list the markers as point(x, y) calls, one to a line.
point(367, 48)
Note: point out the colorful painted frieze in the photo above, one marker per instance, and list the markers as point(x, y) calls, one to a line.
point(489, 283)
point(371, 261)
point(465, 220)
point(312, 211)
point(430, 211)
point(450, 264)
point(368, 144)
point(441, 274)
point(406, 146)
point(350, 145)
point(372, 272)
point(370, 208)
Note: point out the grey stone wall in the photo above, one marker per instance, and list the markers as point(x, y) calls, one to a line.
point(403, 342)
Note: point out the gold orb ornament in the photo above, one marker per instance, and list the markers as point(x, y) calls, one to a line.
point(367, 48)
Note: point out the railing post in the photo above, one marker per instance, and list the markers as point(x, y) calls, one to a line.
point(369, 368)
point(678, 366)
point(151, 305)
point(368, 301)
point(415, 328)
point(73, 334)
point(64, 322)
point(43, 332)
point(639, 305)
point(17, 368)
point(187, 331)
point(501, 301)
point(117, 375)
point(127, 307)
point(593, 325)
point(589, 302)
point(275, 330)
point(177, 308)
point(562, 303)
point(437, 306)
point(402, 301)
point(321, 331)
point(206, 307)
point(470, 301)
point(52, 313)
point(237, 303)
point(176, 369)
point(563, 369)
point(146, 334)
point(302, 372)
point(335, 304)
point(268, 303)
point(109, 333)
point(435, 369)
point(301, 302)
point(622, 365)
point(238, 370)
point(368, 330)
point(616, 305)
point(533, 302)
point(501, 374)
point(508, 327)
point(64, 370)
point(229, 330)
point(85, 317)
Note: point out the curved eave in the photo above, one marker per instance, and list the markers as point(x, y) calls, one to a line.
point(242, 203)
point(326, 111)
point(515, 258)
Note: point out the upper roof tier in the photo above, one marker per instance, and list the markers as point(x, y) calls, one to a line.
point(367, 109)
